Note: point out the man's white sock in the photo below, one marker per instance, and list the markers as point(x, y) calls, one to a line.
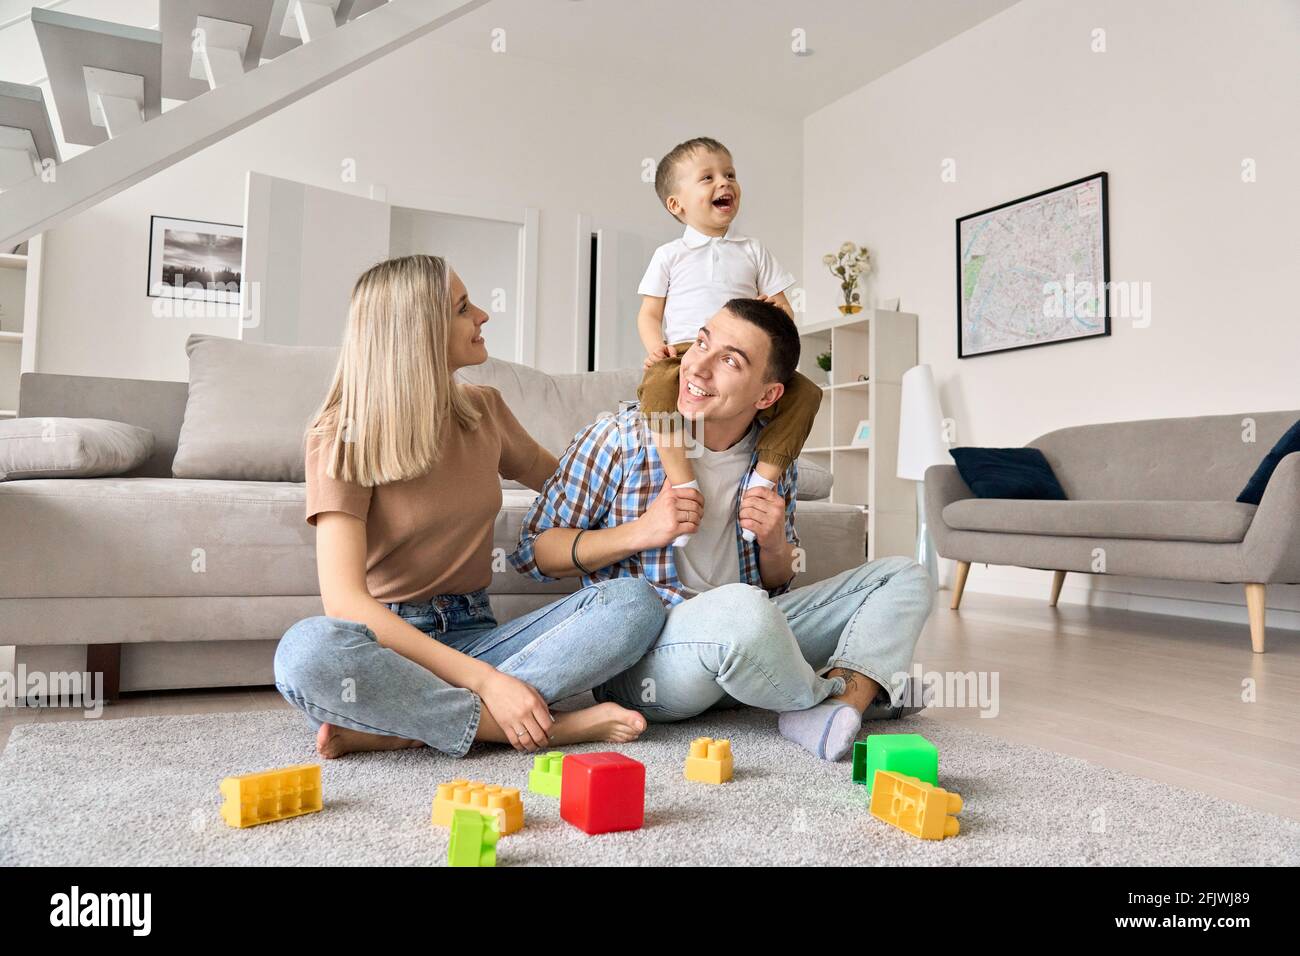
point(755, 481)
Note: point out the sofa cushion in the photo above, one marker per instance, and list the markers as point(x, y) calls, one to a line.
point(154, 537)
point(1289, 443)
point(248, 407)
point(172, 537)
point(1021, 473)
point(814, 481)
point(554, 408)
point(70, 448)
point(1207, 521)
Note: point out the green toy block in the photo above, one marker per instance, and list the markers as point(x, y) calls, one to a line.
point(545, 776)
point(908, 754)
point(474, 838)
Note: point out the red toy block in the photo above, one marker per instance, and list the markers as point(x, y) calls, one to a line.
point(602, 792)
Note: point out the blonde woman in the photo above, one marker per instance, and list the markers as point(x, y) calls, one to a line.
point(403, 468)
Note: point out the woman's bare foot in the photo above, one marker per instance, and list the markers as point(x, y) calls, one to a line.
point(333, 741)
point(608, 722)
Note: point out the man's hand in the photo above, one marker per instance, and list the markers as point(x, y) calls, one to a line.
point(665, 351)
point(675, 511)
point(762, 511)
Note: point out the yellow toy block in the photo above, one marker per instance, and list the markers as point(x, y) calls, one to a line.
point(709, 760)
point(915, 806)
point(271, 795)
point(484, 797)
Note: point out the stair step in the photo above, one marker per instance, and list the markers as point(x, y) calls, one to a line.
point(73, 45)
point(278, 43)
point(177, 22)
point(23, 108)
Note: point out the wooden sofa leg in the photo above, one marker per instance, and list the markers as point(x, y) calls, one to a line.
point(1255, 608)
point(108, 659)
point(959, 585)
point(1058, 578)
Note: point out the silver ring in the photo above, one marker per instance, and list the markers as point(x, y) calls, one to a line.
point(521, 733)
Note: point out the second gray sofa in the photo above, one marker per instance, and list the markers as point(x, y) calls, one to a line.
point(1152, 498)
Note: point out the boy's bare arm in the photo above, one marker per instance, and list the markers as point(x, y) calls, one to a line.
point(779, 300)
point(650, 326)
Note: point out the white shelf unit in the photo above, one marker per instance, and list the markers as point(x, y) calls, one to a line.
point(870, 351)
point(20, 284)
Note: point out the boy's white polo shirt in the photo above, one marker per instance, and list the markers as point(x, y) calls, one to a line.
point(699, 274)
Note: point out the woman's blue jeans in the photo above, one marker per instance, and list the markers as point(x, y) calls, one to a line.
point(337, 672)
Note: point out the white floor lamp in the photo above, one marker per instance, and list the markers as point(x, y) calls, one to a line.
point(920, 445)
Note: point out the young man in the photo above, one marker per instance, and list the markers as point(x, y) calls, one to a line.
point(820, 655)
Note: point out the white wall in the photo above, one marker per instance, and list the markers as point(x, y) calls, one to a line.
point(429, 121)
point(1185, 91)
point(487, 252)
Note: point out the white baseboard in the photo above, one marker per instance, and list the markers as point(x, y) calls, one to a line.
point(1210, 602)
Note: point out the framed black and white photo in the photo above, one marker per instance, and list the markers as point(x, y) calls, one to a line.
point(189, 259)
point(1034, 271)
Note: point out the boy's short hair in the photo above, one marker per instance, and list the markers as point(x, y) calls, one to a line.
point(783, 358)
point(666, 171)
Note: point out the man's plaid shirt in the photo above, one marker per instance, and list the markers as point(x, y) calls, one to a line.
point(608, 477)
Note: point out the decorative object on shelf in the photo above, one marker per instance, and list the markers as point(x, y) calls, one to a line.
point(862, 434)
point(195, 260)
point(889, 305)
point(824, 363)
point(1034, 271)
point(920, 445)
point(848, 265)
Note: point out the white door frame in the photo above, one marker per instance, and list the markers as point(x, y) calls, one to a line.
point(582, 294)
point(528, 219)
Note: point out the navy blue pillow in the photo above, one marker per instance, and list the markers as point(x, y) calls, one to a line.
point(1254, 489)
point(1008, 473)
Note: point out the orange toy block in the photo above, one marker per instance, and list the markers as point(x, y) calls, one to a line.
point(709, 760)
point(271, 795)
point(920, 808)
point(484, 797)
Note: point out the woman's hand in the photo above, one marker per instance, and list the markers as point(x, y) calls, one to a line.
point(518, 709)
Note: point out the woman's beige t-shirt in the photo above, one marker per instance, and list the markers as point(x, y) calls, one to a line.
point(433, 534)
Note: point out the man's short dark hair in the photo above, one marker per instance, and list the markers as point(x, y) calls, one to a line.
point(783, 357)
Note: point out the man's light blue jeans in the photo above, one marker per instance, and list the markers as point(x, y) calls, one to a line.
point(735, 645)
point(336, 672)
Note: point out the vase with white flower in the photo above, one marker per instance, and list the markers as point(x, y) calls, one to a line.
point(848, 265)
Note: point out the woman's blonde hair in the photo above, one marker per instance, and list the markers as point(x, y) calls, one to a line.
point(393, 397)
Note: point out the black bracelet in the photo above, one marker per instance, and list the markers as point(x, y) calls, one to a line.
point(573, 552)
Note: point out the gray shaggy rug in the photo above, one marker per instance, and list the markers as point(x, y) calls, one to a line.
point(144, 791)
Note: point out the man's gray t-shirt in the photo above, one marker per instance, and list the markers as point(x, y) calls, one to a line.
point(711, 559)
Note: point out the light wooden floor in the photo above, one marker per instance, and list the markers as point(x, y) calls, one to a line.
point(1156, 696)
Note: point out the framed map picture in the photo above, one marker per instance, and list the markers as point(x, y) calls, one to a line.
point(1034, 271)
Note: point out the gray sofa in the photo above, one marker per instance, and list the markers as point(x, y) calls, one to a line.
point(1157, 497)
point(189, 582)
